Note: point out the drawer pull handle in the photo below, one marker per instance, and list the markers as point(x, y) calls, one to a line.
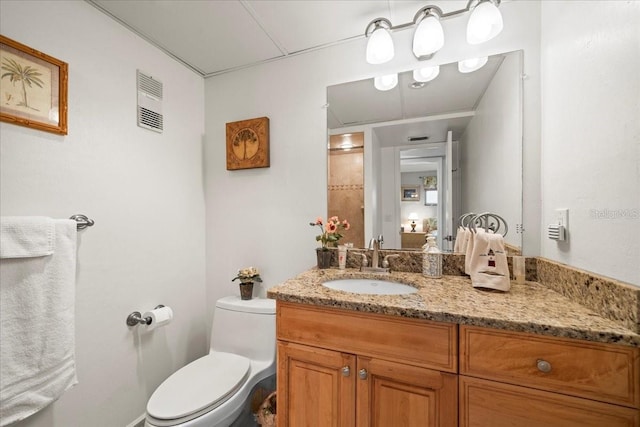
point(346, 371)
point(544, 366)
point(362, 374)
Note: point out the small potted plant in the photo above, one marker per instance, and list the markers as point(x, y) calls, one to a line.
point(247, 276)
point(329, 236)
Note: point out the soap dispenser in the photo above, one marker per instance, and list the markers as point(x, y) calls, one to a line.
point(431, 259)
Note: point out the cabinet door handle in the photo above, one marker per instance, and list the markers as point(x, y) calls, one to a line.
point(346, 371)
point(362, 374)
point(543, 366)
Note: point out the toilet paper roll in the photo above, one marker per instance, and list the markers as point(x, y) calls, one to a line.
point(159, 317)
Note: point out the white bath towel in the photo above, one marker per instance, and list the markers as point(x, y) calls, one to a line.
point(26, 236)
point(488, 264)
point(37, 354)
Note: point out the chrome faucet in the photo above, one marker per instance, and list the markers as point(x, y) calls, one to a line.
point(374, 245)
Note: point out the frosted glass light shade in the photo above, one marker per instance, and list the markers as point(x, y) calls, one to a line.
point(387, 82)
point(484, 23)
point(426, 74)
point(380, 46)
point(472, 64)
point(429, 37)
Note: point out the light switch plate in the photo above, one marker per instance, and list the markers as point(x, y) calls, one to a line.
point(562, 217)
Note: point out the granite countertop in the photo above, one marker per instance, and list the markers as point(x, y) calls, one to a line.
point(529, 307)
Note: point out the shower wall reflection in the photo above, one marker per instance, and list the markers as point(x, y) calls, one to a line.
point(345, 191)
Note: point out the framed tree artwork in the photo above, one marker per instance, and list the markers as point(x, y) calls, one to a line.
point(33, 88)
point(248, 144)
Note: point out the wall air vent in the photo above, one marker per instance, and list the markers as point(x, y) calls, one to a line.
point(149, 103)
point(417, 138)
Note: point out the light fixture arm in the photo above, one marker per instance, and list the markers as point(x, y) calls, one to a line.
point(426, 11)
point(377, 23)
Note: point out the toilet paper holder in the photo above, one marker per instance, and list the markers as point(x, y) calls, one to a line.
point(136, 318)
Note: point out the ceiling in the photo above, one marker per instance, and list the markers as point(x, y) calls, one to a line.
point(215, 36)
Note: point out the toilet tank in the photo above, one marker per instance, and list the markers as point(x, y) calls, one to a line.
point(245, 327)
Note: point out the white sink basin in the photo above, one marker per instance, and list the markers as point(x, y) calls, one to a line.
point(370, 286)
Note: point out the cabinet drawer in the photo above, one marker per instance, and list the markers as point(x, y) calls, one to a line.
point(413, 341)
point(488, 403)
point(605, 372)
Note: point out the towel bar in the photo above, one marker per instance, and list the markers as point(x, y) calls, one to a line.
point(83, 221)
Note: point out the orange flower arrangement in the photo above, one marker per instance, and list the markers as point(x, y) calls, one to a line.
point(330, 234)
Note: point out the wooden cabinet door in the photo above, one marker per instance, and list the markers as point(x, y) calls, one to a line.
point(393, 394)
point(316, 387)
point(488, 403)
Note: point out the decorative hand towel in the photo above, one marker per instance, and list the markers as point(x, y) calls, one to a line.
point(457, 246)
point(37, 359)
point(489, 268)
point(468, 248)
point(26, 236)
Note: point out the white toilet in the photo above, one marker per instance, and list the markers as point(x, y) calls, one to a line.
point(212, 391)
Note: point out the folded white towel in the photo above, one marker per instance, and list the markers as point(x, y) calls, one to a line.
point(488, 264)
point(26, 236)
point(37, 354)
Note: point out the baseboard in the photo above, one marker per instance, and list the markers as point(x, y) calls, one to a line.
point(138, 422)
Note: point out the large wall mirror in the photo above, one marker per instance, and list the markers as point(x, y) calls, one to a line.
point(454, 141)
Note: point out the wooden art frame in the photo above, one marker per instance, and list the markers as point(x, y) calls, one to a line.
point(248, 144)
point(33, 88)
point(410, 193)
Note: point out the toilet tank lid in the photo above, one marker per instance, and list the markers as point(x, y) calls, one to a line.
point(255, 305)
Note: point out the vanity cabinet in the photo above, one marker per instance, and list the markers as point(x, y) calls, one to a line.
point(344, 368)
point(341, 367)
point(509, 378)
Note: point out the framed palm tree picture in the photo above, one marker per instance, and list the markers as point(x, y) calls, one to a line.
point(33, 88)
point(248, 144)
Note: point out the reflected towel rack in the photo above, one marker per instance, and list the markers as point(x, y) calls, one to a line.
point(83, 221)
point(484, 220)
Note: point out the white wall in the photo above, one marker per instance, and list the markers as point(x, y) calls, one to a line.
point(591, 133)
point(144, 190)
point(491, 155)
point(260, 217)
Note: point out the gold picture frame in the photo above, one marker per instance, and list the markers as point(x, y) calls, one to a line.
point(410, 193)
point(248, 144)
point(33, 88)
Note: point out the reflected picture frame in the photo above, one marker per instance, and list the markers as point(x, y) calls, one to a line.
point(410, 193)
point(34, 88)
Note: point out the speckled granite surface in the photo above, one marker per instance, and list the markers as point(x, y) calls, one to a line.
point(610, 298)
point(530, 307)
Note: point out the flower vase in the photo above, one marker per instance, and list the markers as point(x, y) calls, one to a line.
point(324, 258)
point(246, 290)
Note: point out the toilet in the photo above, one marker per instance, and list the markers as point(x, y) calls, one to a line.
point(212, 390)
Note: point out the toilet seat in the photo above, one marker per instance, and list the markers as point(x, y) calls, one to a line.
point(197, 388)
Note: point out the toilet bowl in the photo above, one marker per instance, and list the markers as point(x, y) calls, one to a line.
point(212, 391)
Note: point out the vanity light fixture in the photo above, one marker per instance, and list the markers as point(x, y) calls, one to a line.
point(426, 74)
point(386, 82)
point(429, 36)
point(380, 45)
point(484, 23)
point(472, 64)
